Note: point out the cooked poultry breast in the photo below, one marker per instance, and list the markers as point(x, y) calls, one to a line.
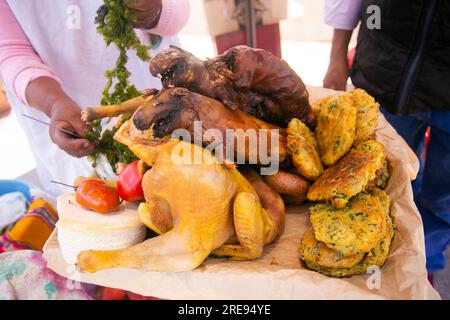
point(252, 80)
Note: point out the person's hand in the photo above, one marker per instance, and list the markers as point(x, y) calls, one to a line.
point(66, 114)
point(147, 12)
point(337, 74)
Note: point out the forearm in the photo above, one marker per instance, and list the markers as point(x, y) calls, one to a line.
point(45, 93)
point(340, 43)
point(338, 70)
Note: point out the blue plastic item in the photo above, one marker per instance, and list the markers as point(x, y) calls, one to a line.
point(16, 185)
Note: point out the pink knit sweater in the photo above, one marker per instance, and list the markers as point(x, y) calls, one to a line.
point(20, 64)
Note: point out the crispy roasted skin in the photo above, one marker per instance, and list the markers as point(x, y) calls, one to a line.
point(377, 256)
point(179, 108)
point(252, 80)
point(302, 147)
point(351, 230)
point(357, 171)
point(335, 131)
point(367, 112)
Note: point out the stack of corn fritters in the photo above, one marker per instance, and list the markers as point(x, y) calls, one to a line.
point(351, 224)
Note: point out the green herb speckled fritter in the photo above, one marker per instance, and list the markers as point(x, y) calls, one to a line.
point(384, 177)
point(302, 146)
point(316, 252)
point(378, 255)
point(375, 257)
point(357, 228)
point(335, 131)
point(367, 111)
point(359, 170)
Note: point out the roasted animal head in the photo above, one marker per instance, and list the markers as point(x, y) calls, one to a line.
point(176, 67)
point(169, 110)
point(228, 64)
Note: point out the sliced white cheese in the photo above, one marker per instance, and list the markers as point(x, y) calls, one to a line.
point(81, 229)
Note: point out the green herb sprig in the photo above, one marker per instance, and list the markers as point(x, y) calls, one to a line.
point(114, 22)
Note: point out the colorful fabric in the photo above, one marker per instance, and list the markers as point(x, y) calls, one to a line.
point(32, 230)
point(13, 206)
point(24, 276)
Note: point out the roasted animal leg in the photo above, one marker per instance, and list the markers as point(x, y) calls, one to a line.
point(272, 203)
point(155, 214)
point(249, 224)
point(127, 107)
point(258, 217)
point(168, 253)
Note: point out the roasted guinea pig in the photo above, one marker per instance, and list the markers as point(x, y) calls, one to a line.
point(252, 80)
point(178, 108)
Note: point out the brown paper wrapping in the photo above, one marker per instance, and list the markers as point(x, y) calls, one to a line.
point(278, 274)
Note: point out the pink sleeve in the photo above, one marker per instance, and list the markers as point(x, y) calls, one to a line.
point(174, 16)
point(19, 63)
point(343, 14)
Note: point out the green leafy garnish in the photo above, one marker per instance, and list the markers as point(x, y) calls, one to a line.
point(113, 150)
point(114, 22)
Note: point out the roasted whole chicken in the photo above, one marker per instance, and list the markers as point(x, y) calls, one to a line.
point(252, 80)
point(196, 208)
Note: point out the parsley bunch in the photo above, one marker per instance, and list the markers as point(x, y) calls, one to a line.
point(114, 22)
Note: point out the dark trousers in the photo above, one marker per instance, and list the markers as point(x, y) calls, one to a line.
point(432, 186)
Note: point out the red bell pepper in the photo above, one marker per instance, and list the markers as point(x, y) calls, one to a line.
point(129, 183)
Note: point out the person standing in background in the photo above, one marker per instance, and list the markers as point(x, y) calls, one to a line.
point(404, 62)
point(51, 67)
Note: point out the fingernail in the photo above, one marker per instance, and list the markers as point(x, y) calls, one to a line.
point(86, 144)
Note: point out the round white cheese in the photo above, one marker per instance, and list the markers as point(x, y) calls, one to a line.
point(80, 229)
